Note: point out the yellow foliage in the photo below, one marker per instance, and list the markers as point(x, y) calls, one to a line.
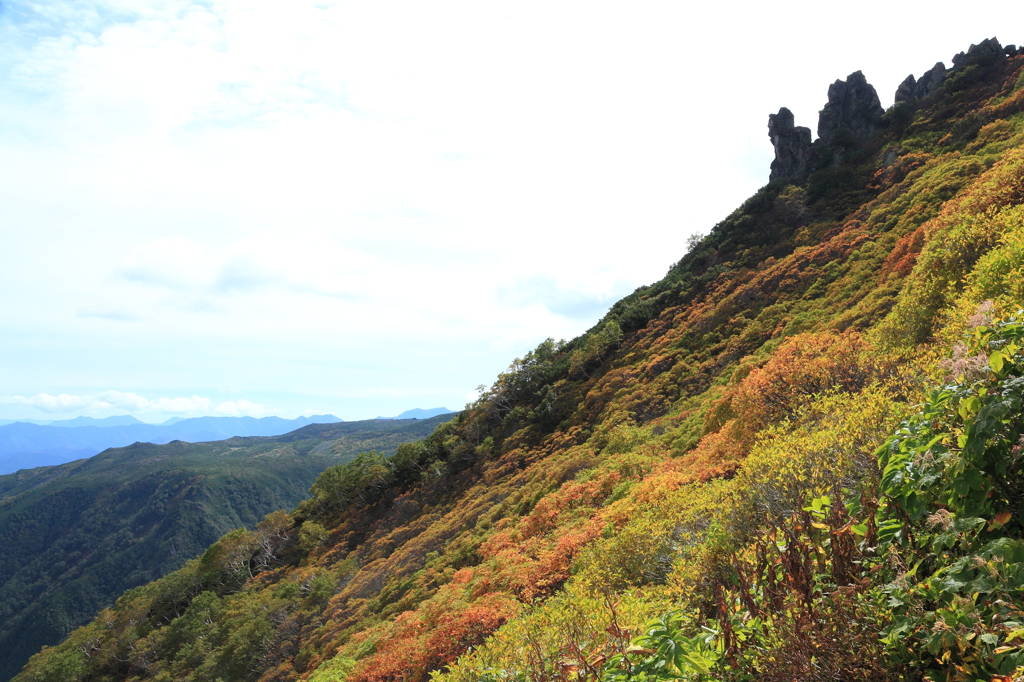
point(573, 628)
point(828, 448)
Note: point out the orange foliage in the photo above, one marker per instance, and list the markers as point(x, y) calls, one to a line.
point(904, 255)
point(888, 176)
point(532, 558)
point(803, 366)
point(418, 642)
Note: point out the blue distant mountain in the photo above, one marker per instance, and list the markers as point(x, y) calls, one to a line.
point(25, 446)
point(122, 420)
point(420, 413)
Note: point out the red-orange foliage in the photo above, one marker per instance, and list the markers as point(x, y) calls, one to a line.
point(888, 176)
point(418, 642)
point(532, 556)
point(904, 255)
point(803, 366)
point(454, 633)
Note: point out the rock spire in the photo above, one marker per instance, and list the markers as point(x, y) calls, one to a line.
point(854, 112)
point(793, 151)
point(852, 105)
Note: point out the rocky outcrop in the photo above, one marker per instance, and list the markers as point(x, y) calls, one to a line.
point(930, 80)
point(912, 89)
point(989, 47)
point(905, 92)
point(793, 151)
point(852, 105)
point(985, 52)
point(854, 111)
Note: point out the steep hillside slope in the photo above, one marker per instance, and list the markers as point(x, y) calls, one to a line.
point(73, 537)
point(703, 486)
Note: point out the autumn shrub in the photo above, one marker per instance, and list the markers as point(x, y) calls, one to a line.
point(435, 635)
point(965, 230)
point(803, 367)
point(950, 520)
point(999, 274)
point(827, 449)
point(565, 639)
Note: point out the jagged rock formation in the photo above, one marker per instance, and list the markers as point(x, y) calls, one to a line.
point(905, 91)
point(986, 51)
point(930, 80)
point(911, 90)
point(852, 105)
point(793, 150)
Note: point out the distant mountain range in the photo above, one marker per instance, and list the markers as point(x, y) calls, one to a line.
point(25, 445)
point(127, 420)
point(120, 420)
point(419, 413)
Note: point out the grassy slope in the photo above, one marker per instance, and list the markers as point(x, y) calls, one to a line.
point(654, 464)
point(74, 536)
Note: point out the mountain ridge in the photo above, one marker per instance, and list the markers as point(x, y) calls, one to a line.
point(24, 445)
point(116, 420)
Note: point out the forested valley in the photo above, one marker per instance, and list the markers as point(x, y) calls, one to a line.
point(75, 536)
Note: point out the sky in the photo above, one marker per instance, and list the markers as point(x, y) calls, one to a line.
point(256, 208)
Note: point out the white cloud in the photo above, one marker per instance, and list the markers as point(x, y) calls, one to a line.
point(386, 200)
point(240, 408)
point(567, 300)
point(172, 262)
point(304, 262)
point(109, 402)
point(109, 314)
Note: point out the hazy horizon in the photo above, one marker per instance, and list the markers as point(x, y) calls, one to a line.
point(52, 422)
